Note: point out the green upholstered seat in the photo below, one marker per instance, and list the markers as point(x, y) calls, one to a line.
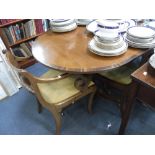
point(121, 74)
point(51, 73)
point(58, 91)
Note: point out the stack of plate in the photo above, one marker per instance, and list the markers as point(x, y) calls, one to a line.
point(152, 61)
point(83, 21)
point(123, 25)
point(140, 37)
point(107, 41)
point(63, 25)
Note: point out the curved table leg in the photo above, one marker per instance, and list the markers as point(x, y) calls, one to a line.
point(82, 82)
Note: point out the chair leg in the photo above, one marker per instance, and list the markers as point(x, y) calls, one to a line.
point(58, 120)
point(90, 102)
point(40, 108)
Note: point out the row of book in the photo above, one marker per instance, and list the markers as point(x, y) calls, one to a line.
point(23, 50)
point(24, 30)
point(6, 21)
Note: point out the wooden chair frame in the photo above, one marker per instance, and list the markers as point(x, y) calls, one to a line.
point(55, 109)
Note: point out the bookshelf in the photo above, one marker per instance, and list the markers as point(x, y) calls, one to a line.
point(18, 36)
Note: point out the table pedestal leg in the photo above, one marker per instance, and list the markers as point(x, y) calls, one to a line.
point(82, 82)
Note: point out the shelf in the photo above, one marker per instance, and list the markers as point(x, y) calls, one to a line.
point(26, 63)
point(24, 40)
point(13, 22)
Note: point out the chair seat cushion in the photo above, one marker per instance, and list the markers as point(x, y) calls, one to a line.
point(121, 75)
point(58, 91)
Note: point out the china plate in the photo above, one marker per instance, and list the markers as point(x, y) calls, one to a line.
point(65, 28)
point(92, 27)
point(141, 32)
point(102, 52)
point(139, 40)
point(152, 61)
point(83, 23)
point(62, 23)
point(141, 45)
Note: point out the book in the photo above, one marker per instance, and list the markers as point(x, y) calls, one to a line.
point(26, 49)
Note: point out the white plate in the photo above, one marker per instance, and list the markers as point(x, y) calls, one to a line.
point(61, 23)
point(141, 45)
point(141, 32)
point(139, 40)
point(152, 61)
point(83, 22)
point(109, 45)
point(92, 27)
point(102, 52)
point(65, 28)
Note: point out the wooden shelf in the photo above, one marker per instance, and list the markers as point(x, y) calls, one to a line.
point(24, 40)
point(26, 63)
point(3, 34)
point(13, 22)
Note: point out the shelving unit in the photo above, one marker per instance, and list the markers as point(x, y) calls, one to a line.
point(31, 30)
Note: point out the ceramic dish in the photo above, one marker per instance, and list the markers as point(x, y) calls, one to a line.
point(62, 23)
point(93, 27)
point(124, 24)
point(83, 21)
point(151, 25)
point(65, 28)
point(109, 45)
point(152, 61)
point(108, 40)
point(59, 20)
point(106, 24)
point(139, 40)
point(93, 48)
point(141, 32)
point(107, 36)
point(141, 45)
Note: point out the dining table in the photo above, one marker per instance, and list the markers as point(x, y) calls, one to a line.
point(69, 52)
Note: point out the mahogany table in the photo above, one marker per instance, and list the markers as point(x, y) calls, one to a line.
point(143, 88)
point(69, 52)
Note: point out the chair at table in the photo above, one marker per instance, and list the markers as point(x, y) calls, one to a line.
point(54, 91)
point(115, 84)
point(24, 83)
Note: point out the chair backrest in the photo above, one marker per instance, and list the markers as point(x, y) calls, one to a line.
point(31, 82)
point(24, 81)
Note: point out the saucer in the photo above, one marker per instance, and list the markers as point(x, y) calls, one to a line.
point(103, 52)
point(64, 28)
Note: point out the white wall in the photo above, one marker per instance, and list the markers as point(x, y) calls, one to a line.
point(8, 79)
point(2, 93)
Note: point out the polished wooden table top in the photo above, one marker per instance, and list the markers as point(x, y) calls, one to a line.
point(69, 52)
point(145, 75)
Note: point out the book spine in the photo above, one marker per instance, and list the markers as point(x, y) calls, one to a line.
point(9, 35)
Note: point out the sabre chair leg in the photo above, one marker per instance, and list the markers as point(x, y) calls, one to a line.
point(58, 120)
point(40, 108)
point(90, 102)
